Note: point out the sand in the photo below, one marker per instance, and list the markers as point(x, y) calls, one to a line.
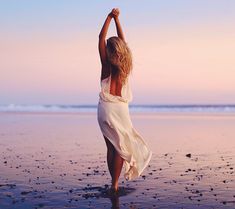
point(58, 160)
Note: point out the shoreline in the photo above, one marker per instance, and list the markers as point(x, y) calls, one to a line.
point(183, 114)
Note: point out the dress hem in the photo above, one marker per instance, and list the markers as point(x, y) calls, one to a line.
point(131, 167)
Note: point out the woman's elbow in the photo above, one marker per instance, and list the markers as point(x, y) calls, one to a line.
point(101, 36)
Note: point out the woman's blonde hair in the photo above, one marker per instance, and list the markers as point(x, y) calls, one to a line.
point(119, 57)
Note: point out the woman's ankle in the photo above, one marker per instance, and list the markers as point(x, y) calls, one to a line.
point(114, 187)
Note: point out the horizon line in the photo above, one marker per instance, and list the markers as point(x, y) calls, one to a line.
point(135, 104)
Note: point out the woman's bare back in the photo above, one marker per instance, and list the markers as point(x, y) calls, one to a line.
point(115, 86)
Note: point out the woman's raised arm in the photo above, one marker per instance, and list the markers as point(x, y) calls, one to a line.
point(105, 72)
point(102, 36)
point(120, 33)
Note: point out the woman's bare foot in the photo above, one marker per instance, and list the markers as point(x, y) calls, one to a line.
point(113, 191)
point(114, 188)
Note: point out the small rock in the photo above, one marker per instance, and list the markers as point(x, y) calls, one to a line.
point(25, 192)
point(189, 155)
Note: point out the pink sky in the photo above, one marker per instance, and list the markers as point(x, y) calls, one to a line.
point(172, 64)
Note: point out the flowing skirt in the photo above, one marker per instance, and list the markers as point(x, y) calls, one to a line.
point(115, 124)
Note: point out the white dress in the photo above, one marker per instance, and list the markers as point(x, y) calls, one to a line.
point(115, 124)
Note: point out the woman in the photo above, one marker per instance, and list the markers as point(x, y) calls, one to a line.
point(124, 144)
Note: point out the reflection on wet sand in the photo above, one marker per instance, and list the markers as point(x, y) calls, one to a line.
point(106, 192)
point(115, 201)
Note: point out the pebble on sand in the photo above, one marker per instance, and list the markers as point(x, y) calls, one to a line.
point(189, 155)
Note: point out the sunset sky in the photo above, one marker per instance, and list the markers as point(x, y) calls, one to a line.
point(183, 50)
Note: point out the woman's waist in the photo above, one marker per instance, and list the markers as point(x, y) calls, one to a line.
point(110, 108)
point(112, 98)
point(113, 102)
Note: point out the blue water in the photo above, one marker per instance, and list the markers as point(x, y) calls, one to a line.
point(171, 108)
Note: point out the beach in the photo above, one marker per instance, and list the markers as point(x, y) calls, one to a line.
point(58, 160)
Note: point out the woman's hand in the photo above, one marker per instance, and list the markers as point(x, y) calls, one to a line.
point(114, 13)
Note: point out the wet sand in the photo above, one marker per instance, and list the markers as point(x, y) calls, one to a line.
point(51, 160)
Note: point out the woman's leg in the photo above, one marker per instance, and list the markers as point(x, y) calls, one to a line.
point(117, 168)
point(115, 163)
point(110, 155)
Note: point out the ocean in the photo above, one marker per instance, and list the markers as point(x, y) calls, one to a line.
point(158, 108)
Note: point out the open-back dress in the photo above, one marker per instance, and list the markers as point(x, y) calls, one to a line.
point(115, 124)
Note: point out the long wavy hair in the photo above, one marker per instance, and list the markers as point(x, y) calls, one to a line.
point(119, 57)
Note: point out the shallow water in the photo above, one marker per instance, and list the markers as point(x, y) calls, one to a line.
point(58, 161)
